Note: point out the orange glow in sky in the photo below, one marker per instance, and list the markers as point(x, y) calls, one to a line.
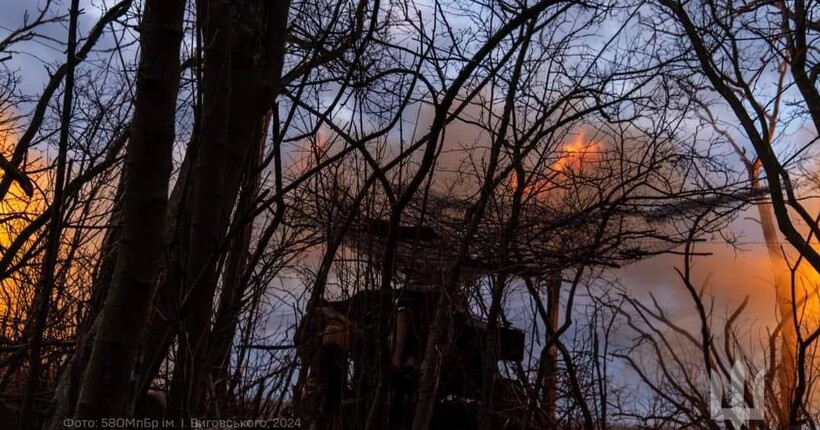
point(807, 293)
point(15, 206)
point(17, 210)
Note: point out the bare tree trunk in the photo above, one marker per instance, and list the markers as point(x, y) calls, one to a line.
point(164, 311)
point(42, 302)
point(256, 67)
point(546, 379)
point(233, 287)
point(106, 383)
point(255, 84)
point(208, 204)
point(490, 357)
point(68, 386)
point(550, 398)
point(786, 374)
point(783, 292)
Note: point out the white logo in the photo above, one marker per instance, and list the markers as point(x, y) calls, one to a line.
point(739, 412)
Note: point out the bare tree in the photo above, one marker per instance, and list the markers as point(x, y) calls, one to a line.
point(106, 382)
point(735, 50)
point(392, 214)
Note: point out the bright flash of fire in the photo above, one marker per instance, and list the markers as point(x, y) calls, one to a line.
point(573, 156)
point(576, 153)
